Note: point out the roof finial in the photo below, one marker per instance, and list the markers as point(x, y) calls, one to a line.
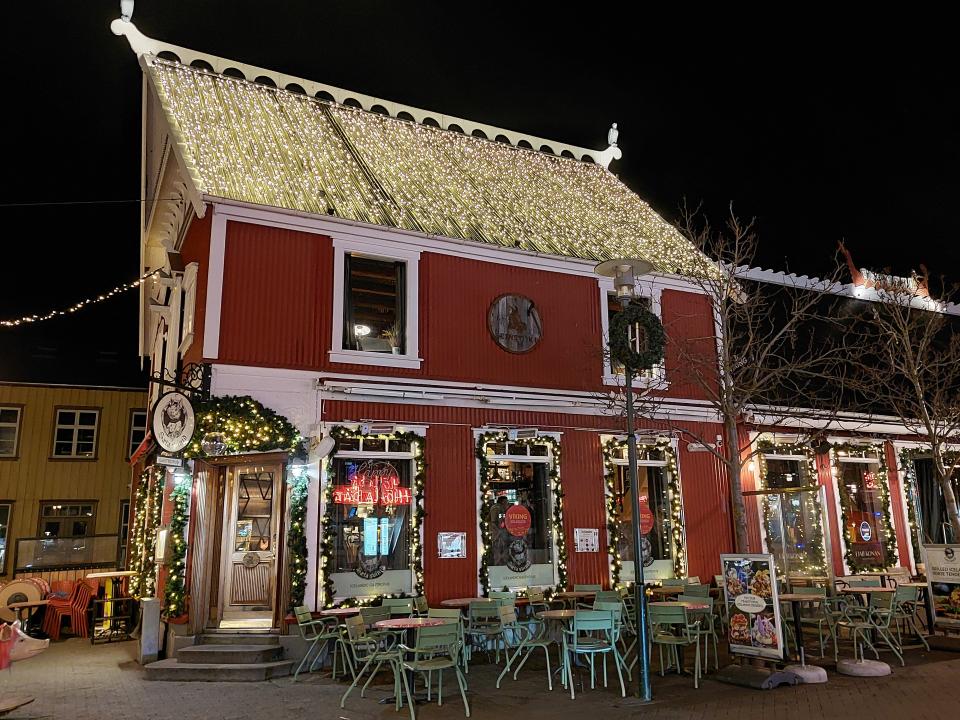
point(126, 10)
point(612, 152)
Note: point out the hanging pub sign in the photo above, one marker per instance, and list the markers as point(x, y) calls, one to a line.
point(943, 578)
point(173, 421)
point(514, 323)
point(753, 608)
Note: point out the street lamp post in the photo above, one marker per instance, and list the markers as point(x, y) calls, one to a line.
point(624, 273)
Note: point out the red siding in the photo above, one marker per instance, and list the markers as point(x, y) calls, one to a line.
point(276, 303)
point(277, 306)
point(458, 346)
point(584, 504)
point(451, 489)
point(689, 324)
point(196, 248)
point(896, 504)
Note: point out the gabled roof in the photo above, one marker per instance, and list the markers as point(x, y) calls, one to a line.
point(255, 143)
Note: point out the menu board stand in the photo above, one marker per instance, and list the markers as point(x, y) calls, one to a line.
point(942, 565)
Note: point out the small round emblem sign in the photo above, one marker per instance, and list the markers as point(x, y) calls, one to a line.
point(173, 421)
point(514, 323)
point(517, 520)
point(866, 532)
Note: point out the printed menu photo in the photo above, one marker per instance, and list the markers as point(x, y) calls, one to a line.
point(750, 594)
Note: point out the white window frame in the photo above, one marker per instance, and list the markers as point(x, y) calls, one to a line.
point(75, 427)
point(657, 378)
point(16, 430)
point(547, 459)
point(378, 251)
point(189, 307)
point(131, 448)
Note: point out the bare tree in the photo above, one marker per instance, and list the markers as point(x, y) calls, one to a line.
point(909, 366)
point(769, 355)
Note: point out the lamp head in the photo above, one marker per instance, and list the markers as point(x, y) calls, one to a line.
point(624, 272)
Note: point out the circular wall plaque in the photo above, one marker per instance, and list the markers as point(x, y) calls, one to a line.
point(173, 421)
point(514, 323)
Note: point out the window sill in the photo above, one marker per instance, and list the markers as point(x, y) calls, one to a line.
point(359, 357)
point(650, 383)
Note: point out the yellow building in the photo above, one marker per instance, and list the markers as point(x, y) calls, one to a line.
point(64, 476)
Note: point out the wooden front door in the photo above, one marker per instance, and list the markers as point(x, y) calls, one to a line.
point(251, 529)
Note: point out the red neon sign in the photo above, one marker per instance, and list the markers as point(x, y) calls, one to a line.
point(373, 483)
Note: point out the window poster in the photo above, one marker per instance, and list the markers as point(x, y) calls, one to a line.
point(753, 608)
point(943, 579)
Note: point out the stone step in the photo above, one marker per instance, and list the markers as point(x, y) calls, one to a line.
point(232, 638)
point(221, 654)
point(171, 670)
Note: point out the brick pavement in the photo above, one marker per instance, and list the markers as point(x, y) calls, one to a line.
point(73, 680)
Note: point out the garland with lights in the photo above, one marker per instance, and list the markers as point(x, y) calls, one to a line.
point(486, 502)
point(815, 562)
point(297, 539)
point(247, 426)
point(26, 319)
point(890, 540)
point(174, 591)
point(328, 541)
point(611, 449)
point(146, 521)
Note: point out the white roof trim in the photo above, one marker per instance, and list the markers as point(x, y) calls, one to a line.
point(146, 46)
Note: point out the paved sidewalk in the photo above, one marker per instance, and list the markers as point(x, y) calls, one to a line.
point(75, 681)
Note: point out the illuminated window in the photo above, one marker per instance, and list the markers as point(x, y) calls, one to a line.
point(374, 305)
point(860, 487)
point(67, 519)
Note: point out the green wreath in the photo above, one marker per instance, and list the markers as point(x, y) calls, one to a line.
point(652, 337)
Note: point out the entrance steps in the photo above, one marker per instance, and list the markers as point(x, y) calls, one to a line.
point(225, 657)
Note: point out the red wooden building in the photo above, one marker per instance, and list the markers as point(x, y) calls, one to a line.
point(422, 289)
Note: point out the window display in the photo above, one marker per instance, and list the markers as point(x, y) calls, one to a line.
point(369, 518)
point(865, 509)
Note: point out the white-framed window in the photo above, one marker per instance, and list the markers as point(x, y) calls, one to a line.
point(10, 416)
point(188, 307)
point(6, 514)
point(138, 431)
point(610, 306)
point(75, 432)
point(518, 505)
point(375, 305)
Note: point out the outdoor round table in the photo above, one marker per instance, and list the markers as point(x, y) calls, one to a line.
point(574, 595)
point(341, 612)
point(462, 603)
point(665, 590)
point(410, 625)
point(25, 609)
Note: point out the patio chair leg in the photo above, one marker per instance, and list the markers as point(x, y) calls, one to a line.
point(376, 669)
point(343, 698)
point(546, 654)
point(604, 669)
point(661, 662)
point(406, 687)
point(696, 671)
point(618, 660)
point(303, 662)
point(440, 688)
point(462, 683)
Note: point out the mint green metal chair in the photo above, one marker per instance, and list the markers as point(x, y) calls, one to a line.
point(436, 649)
point(593, 633)
point(672, 628)
point(368, 649)
point(708, 628)
point(318, 633)
point(398, 606)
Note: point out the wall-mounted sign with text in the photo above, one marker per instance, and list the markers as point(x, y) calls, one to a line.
point(451, 544)
point(173, 421)
point(586, 540)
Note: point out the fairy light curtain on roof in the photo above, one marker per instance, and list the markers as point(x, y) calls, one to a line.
point(258, 144)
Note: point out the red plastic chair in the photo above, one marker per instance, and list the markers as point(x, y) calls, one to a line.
point(74, 607)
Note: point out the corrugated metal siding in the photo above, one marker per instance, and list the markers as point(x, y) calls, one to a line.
point(450, 498)
point(451, 468)
point(458, 345)
point(196, 248)
point(896, 505)
point(688, 321)
point(277, 297)
point(584, 506)
point(33, 476)
point(825, 476)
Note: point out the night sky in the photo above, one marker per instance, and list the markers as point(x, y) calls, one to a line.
point(821, 129)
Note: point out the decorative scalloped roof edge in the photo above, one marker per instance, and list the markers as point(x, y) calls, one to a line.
point(852, 290)
point(146, 46)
